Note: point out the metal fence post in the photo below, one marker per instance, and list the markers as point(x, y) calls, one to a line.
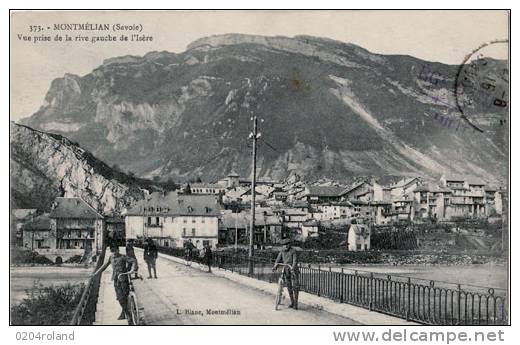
point(330, 288)
point(458, 303)
point(319, 280)
point(371, 292)
point(341, 285)
point(408, 284)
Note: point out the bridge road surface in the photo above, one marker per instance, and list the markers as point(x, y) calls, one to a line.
point(108, 308)
point(182, 295)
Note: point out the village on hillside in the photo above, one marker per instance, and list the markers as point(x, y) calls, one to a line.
point(219, 214)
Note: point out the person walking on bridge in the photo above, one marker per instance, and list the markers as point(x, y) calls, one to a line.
point(207, 255)
point(287, 256)
point(150, 256)
point(120, 264)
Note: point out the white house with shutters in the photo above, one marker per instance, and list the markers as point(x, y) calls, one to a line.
point(172, 219)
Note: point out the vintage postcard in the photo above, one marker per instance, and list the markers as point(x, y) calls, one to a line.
point(259, 167)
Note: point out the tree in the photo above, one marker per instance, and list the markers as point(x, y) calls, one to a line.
point(170, 185)
point(187, 189)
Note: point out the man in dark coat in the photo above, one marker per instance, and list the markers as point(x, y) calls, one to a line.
point(188, 250)
point(130, 252)
point(150, 256)
point(208, 256)
point(287, 256)
point(120, 265)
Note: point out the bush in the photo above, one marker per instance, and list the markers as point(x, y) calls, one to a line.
point(76, 259)
point(401, 240)
point(53, 305)
point(327, 239)
point(25, 256)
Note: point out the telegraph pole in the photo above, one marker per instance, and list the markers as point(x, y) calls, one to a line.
point(253, 136)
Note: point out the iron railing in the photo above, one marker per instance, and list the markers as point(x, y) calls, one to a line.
point(434, 302)
point(426, 302)
point(85, 312)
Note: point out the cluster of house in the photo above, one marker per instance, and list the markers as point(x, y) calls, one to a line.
point(409, 199)
point(220, 213)
point(375, 201)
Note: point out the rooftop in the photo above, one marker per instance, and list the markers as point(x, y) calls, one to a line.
point(206, 185)
point(174, 204)
point(405, 182)
point(259, 180)
point(355, 186)
point(73, 208)
point(325, 191)
point(360, 229)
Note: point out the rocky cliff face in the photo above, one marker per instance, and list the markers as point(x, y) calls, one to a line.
point(45, 166)
point(329, 109)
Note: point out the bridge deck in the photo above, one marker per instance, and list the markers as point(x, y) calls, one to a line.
point(183, 296)
point(108, 308)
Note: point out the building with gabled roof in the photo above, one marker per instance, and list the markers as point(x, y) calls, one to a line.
point(309, 229)
point(430, 201)
point(71, 228)
point(36, 234)
point(383, 212)
point(173, 219)
point(66, 208)
point(358, 238)
point(321, 194)
point(362, 190)
point(467, 198)
point(404, 186)
point(77, 225)
point(234, 228)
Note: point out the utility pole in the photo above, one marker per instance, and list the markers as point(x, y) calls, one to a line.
point(236, 233)
point(253, 136)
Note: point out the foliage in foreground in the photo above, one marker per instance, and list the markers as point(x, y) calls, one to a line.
point(52, 305)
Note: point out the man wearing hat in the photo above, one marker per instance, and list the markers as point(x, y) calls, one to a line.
point(120, 265)
point(150, 256)
point(287, 255)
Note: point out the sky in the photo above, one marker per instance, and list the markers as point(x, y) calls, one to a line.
point(441, 36)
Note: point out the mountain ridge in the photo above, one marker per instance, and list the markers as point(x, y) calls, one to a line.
point(44, 166)
point(330, 109)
